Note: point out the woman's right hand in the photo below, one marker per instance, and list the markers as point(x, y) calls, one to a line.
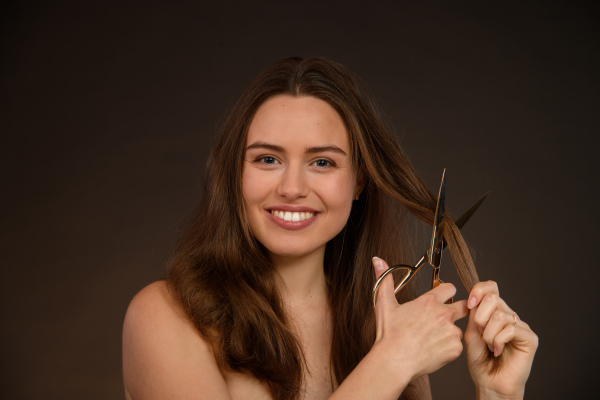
point(419, 336)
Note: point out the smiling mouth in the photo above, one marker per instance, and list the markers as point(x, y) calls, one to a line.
point(292, 216)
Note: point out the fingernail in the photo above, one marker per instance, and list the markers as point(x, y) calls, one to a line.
point(496, 352)
point(377, 263)
point(491, 348)
point(472, 301)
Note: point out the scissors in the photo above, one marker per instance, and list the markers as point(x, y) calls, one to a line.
point(433, 256)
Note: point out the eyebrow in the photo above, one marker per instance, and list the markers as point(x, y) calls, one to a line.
point(309, 150)
point(263, 145)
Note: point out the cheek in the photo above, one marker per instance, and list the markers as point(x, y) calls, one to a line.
point(251, 197)
point(252, 187)
point(340, 193)
point(246, 186)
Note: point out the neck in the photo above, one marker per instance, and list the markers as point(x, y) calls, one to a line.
point(302, 279)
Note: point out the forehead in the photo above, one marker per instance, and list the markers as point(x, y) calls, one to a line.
point(285, 119)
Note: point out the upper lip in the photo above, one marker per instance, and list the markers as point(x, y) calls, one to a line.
point(292, 208)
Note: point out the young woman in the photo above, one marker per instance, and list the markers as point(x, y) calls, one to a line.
point(268, 293)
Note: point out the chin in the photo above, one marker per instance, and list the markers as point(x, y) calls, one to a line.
point(292, 250)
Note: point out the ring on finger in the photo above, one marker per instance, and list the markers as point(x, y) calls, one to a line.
point(515, 316)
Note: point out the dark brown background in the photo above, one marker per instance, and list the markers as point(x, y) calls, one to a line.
point(108, 111)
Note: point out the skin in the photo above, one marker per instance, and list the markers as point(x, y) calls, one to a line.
point(297, 158)
point(491, 324)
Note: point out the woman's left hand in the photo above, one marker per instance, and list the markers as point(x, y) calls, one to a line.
point(494, 326)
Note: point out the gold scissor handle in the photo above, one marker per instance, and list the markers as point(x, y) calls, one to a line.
point(410, 272)
point(436, 281)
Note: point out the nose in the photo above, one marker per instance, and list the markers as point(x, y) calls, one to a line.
point(294, 183)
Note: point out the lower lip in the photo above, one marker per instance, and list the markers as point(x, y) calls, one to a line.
point(292, 225)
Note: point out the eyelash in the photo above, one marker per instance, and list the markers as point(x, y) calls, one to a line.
point(263, 160)
point(330, 163)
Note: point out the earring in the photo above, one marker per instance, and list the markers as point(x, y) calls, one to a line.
point(356, 197)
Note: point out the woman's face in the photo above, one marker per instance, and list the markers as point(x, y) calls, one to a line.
point(298, 181)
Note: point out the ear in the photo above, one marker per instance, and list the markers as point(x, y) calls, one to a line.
point(357, 192)
point(360, 184)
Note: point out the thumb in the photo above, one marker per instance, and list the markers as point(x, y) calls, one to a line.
point(385, 293)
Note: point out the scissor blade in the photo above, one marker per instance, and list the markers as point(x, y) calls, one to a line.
point(462, 221)
point(467, 215)
point(435, 248)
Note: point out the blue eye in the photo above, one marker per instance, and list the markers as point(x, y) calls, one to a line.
point(323, 163)
point(269, 160)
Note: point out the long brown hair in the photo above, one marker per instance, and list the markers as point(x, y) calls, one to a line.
point(224, 278)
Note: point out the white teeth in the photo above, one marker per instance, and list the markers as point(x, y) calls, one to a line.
point(292, 216)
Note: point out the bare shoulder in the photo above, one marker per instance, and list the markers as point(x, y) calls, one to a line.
point(154, 305)
point(163, 354)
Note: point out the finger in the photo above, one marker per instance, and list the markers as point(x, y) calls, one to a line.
point(498, 321)
point(443, 292)
point(460, 310)
point(490, 303)
point(473, 334)
point(480, 290)
point(521, 338)
point(385, 292)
